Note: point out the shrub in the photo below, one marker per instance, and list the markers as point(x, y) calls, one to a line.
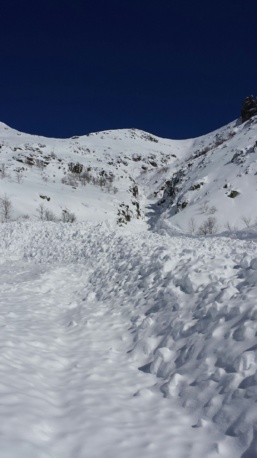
point(3, 172)
point(49, 216)
point(70, 180)
point(19, 177)
point(68, 216)
point(5, 208)
point(41, 212)
point(192, 225)
point(246, 220)
point(204, 207)
point(230, 228)
point(208, 227)
point(75, 167)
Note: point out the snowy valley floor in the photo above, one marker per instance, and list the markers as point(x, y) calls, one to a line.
point(83, 307)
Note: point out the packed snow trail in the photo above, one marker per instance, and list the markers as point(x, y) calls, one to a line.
point(83, 307)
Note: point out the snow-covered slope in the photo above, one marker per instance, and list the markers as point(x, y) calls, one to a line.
point(125, 174)
point(120, 340)
point(94, 176)
point(216, 179)
point(83, 307)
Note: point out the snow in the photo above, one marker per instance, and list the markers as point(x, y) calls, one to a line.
point(129, 340)
point(115, 152)
point(84, 306)
point(209, 169)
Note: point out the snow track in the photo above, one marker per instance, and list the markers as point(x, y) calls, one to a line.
point(83, 307)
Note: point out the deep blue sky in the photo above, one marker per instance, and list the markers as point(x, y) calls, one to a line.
point(174, 68)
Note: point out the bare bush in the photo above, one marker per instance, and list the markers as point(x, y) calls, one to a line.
point(70, 180)
point(41, 212)
point(19, 177)
point(192, 225)
point(3, 172)
point(50, 216)
point(208, 227)
point(85, 178)
point(230, 227)
point(68, 216)
point(204, 207)
point(103, 180)
point(44, 214)
point(5, 208)
point(40, 164)
point(246, 220)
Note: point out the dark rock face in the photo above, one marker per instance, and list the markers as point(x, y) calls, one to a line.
point(233, 194)
point(249, 108)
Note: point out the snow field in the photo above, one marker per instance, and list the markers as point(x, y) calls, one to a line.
point(84, 306)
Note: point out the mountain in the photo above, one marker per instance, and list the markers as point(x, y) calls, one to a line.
point(130, 174)
point(131, 331)
point(95, 175)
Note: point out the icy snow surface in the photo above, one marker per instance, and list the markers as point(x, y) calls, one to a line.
point(119, 344)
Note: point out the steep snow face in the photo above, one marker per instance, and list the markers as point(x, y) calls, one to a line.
point(217, 180)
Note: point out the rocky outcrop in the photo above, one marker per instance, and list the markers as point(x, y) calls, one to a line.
point(249, 108)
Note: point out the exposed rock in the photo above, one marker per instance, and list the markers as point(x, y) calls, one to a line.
point(134, 190)
point(196, 186)
point(182, 205)
point(124, 214)
point(233, 194)
point(249, 108)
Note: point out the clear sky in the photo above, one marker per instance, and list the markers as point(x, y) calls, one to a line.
point(174, 68)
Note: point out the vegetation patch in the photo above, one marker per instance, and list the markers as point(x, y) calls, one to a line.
point(75, 167)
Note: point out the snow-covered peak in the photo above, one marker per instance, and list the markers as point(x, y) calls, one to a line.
point(127, 174)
